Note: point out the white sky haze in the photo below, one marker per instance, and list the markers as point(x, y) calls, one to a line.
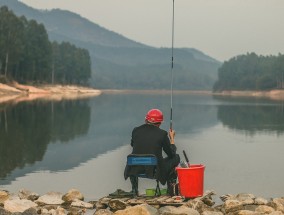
point(220, 28)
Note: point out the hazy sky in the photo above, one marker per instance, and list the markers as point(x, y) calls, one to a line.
point(219, 28)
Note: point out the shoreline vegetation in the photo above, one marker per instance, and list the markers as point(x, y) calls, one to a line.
point(15, 92)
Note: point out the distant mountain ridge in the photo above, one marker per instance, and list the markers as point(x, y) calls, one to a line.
point(62, 22)
point(119, 62)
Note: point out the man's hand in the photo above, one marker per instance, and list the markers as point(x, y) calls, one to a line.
point(172, 134)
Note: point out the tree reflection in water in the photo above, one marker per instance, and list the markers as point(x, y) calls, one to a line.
point(252, 115)
point(27, 128)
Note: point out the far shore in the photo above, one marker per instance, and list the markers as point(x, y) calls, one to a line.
point(272, 94)
point(16, 92)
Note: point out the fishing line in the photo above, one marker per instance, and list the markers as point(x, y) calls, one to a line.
point(172, 67)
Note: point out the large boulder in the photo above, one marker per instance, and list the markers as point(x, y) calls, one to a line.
point(51, 198)
point(18, 205)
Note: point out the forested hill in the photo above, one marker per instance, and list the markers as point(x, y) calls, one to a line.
point(118, 62)
point(251, 72)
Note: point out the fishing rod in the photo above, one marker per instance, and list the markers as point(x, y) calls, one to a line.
point(172, 67)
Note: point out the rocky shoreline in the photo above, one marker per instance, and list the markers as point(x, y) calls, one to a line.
point(72, 203)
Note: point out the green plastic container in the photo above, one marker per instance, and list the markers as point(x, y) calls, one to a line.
point(151, 192)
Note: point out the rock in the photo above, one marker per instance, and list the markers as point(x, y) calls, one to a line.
point(245, 198)
point(4, 212)
point(102, 203)
point(18, 205)
point(51, 198)
point(264, 209)
point(227, 197)
point(182, 210)
point(60, 211)
point(212, 213)
point(250, 207)
point(142, 209)
point(276, 213)
point(43, 211)
point(81, 204)
point(74, 211)
point(260, 201)
point(3, 196)
point(246, 212)
point(72, 195)
point(198, 205)
point(30, 211)
point(52, 212)
point(26, 194)
point(50, 207)
point(208, 201)
point(99, 206)
point(117, 204)
point(277, 204)
point(232, 206)
point(103, 212)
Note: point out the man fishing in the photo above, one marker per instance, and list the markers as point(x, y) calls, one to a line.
point(149, 138)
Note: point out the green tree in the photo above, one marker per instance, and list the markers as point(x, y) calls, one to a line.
point(11, 41)
point(251, 72)
point(72, 65)
point(27, 55)
point(36, 61)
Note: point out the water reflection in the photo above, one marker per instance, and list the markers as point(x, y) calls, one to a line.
point(27, 129)
point(83, 138)
point(252, 115)
point(87, 127)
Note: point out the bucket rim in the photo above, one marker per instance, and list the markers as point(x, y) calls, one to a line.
point(192, 166)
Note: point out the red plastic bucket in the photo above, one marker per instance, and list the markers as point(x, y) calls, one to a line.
point(191, 180)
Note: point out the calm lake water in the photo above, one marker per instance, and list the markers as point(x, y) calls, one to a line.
point(55, 146)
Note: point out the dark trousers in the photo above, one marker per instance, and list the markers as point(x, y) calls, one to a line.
point(169, 165)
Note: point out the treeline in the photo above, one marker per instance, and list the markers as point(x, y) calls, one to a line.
point(27, 55)
point(251, 72)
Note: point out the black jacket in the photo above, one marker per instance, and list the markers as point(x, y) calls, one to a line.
point(150, 139)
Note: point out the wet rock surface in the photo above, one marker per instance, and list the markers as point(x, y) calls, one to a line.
point(72, 203)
